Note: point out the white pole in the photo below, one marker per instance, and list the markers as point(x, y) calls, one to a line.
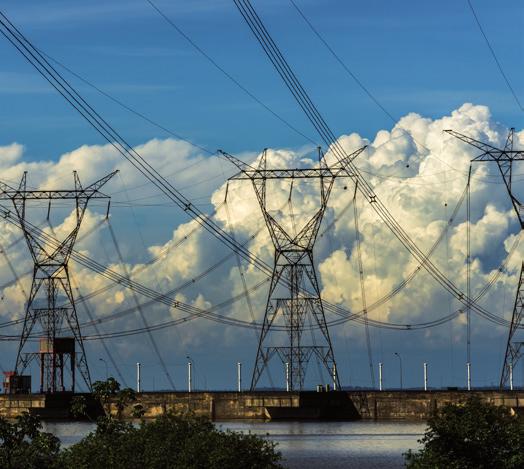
point(511, 376)
point(425, 376)
point(287, 376)
point(189, 383)
point(334, 377)
point(138, 377)
point(469, 375)
point(380, 388)
point(239, 376)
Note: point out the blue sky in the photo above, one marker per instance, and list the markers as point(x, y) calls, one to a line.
point(424, 57)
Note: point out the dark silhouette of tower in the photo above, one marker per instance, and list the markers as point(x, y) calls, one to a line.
point(294, 302)
point(50, 309)
point(504, 159)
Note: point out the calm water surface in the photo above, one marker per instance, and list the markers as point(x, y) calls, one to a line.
point(366, 445)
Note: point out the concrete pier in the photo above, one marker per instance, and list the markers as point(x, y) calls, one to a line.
point(272, 405)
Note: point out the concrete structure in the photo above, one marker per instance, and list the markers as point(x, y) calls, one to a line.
point(418, 405)
point(265, 405)
point(46, 406)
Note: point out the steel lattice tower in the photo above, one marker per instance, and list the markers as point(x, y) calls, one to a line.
point(504, 159)
point(51, 304)
point(298, 300)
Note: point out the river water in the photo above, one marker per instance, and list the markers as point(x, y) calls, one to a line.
point(362, 444)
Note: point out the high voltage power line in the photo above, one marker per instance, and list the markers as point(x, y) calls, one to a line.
point(494, 55)
point(304, 101)
point(225, 72)
point(345, 315)
point(97, 119)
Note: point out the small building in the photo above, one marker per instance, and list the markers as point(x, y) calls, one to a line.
point(16, 384)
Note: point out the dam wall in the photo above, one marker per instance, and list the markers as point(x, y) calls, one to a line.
point(268, 405)
point(419, 405)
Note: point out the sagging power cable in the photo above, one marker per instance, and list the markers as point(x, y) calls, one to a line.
point(335, 147)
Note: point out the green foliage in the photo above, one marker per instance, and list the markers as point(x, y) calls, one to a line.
point(24, 446)
point(105, 390)
point(169, 442)
point(125, 397)
point(475, 435)
point(138, 411)
point(109, 391)
point(78, 407)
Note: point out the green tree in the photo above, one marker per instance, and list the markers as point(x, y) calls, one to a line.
point(108, 391)
point(78, 407)
point(24, 446)
point(169, 442)
point(474, 435)
point(178, 442)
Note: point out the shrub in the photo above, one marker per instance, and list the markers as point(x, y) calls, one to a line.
point(473, 435)
point(178, 442)
point(24, 446)
point(169, 442)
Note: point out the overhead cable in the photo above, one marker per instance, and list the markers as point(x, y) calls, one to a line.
point(495, 58)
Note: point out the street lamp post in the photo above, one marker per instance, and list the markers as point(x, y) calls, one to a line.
point(239, 377)
point(189, 374)
point(138, 388)
point(400, 368)
point(105, 363)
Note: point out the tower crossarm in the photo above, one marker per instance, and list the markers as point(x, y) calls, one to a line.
point(484, 147)
point(305, 173)
point(262, 173)
point(39, 250)
point(504, 157)
point(51, 194)
point(6, 187)
point(91, 192)
point(243, 167)
point(97, 185)
point(345, 162)
point(500, 156)
point(489, 152)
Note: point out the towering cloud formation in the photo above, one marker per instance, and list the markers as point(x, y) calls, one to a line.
point(417, 170)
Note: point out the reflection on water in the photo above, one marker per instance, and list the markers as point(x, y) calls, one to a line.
point(338, 444)
point(68, 432)
point(366, 445)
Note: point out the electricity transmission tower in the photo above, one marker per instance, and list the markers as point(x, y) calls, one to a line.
point(51, 304)
point(294, 291)
point(504, 159)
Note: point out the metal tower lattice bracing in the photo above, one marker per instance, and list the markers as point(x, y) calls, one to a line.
point(294, 292)
point(50, 311)
point(504, 158)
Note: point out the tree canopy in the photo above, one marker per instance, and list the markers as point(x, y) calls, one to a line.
point(474, 435)
point(170, 441)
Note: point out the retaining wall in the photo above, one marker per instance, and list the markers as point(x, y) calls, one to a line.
point(343, 405)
